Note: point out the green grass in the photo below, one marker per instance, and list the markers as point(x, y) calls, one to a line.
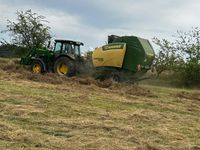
point(38, 115)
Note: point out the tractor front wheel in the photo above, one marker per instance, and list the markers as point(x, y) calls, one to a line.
point(37, 67)
point(64, 66)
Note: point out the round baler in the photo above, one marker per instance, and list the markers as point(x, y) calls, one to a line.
point(125, 56)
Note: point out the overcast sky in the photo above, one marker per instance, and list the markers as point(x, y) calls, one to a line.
point(90, 21)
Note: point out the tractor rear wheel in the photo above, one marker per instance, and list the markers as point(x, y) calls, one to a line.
point(64, 66)
point(37, 67)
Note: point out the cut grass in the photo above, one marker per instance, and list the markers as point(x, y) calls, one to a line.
point(41, 115)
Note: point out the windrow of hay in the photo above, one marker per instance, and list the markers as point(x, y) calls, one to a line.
point(12, 66)
point(131, 89)
point(49, 78)
point(18, 71)
point(190, 96)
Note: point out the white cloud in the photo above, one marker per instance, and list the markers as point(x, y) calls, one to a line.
point(6, 12)
point(130, 17)
point(154, 15)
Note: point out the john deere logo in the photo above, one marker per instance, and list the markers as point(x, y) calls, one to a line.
point(113, 46)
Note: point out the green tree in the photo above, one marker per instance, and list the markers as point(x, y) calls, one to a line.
point(188, 44)
point(166, 57)
point(30, 30)
point(182, 56)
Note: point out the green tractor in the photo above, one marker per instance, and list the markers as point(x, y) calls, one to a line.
point(63, 59)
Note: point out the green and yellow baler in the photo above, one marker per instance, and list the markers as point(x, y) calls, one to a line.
point(122, 56)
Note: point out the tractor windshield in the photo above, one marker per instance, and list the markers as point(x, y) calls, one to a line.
point(71, 49)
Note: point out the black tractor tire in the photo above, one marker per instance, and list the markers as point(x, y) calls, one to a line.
point(64, 66)
point(115, 77)
point(37, 67)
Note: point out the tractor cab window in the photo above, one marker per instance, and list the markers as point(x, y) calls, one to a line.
point(77, 50)
point(58, 46)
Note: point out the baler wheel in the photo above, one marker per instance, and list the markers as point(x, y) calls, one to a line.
point(115, 78)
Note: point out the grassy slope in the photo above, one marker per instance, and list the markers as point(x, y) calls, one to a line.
point(75, 116)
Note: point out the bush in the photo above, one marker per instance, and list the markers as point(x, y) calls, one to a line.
point(190, 74)
point(182, 56)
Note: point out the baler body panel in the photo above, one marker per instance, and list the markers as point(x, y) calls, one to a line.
point(110, 55)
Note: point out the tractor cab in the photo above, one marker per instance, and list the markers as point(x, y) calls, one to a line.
point(67, 47)
point(66, 56)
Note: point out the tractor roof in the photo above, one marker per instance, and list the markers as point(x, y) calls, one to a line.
point(69, 41)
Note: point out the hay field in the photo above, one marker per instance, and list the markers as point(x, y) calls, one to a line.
point(52, 112)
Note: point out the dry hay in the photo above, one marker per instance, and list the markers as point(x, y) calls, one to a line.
point(49, 78)
point(112, 86)
point(15, 70)
point(84, 80)
point(190, 96)
point(132, 89)
point(18, 71)
point(104, 84)
point(10, 65)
